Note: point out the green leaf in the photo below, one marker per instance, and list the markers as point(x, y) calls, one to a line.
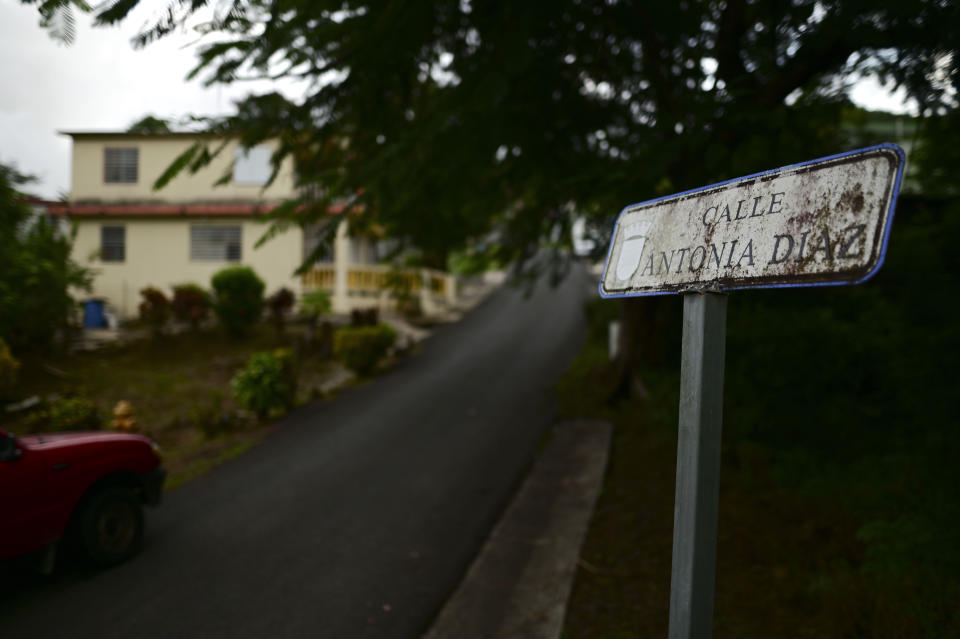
point(178, 165)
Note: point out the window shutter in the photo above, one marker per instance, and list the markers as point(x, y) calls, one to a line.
point(113, 243)
point(215, 243)
point(120, 165)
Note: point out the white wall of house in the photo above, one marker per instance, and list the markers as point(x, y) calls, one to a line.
point(157, 253)
point(155, 154)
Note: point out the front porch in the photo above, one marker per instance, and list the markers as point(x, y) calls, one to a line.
point(361, 286)
point(355, 280)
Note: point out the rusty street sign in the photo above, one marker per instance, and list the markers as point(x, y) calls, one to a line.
point(821, 222)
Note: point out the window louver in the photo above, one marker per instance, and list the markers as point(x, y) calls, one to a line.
point(113, 243)
point(120, 165)
point(215, 243)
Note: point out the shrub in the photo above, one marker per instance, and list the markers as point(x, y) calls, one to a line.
point(66, 413)
point(315, 304)
point(365, 317)
point(323, 340)
point(209, 416)
point(238, 298)
point(280, 304)
point(267, 382)
point(191, 304)
point(154, 309)
point(9, 367)
point(401, 285)
point(360, 348)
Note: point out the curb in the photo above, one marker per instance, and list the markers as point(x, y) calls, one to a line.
point(519, 583)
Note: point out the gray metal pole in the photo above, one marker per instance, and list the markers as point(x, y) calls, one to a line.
point(698, 466)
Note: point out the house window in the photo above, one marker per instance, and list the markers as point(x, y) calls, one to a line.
point(251, 166)
point(113, 243)
point(215, 243)
point(120, 165)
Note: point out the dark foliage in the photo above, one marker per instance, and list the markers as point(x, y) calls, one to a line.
point(36, 272)
point(238, 298)
point(191, 304)
point(365, 316)
point(846, 394)
point(544, 104)
point(154, 309)
point(65, 414)
point(150, 124)
point(360, 348)
point(280, 304)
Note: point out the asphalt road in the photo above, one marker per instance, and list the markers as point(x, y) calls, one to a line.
point(358, 516)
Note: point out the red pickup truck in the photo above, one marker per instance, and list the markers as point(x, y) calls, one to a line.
point(86, 487)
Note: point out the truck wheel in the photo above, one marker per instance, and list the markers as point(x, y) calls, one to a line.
point(111, 526)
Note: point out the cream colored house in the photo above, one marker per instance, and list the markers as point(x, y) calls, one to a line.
point(134, 237)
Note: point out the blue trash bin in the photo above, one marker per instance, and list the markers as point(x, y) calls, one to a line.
point(93, 316)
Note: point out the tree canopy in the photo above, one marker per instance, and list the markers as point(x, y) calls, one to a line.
point(150, 124)
point(448, 119)
point(36, 272)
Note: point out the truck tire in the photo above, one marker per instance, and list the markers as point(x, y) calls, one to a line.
point(111, 526)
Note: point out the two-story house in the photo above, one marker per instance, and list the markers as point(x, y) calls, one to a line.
point(134, 237)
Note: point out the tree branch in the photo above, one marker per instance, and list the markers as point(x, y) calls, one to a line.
point(730, 31)
point(818, 56)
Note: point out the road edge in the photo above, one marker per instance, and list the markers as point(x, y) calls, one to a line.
point(520, 582)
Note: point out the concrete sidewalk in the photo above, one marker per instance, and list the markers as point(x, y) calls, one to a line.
point(519, 583)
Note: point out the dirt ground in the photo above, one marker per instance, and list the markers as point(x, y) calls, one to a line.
point(179, 386)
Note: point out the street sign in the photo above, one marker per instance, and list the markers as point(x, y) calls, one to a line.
point(821, 222)
point(818, 223)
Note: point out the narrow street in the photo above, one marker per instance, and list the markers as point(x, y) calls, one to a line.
point(358, 516)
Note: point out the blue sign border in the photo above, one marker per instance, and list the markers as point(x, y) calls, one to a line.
point(891, 207)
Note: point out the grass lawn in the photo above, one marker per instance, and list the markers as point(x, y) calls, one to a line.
point(179, 386)
point(779, 552)
point(839, 488)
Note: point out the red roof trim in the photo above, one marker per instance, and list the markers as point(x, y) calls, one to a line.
point(167, 210)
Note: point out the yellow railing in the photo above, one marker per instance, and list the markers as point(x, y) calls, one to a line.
point(323, 278)
point(370, 279)
point(376, 278)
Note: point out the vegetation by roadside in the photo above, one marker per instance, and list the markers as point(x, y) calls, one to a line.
point(36, 271)
point(839, 504)
point(179, 386)
point(205, 395)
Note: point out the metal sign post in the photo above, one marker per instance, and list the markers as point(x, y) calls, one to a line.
point(698, 465)
point(818, 223)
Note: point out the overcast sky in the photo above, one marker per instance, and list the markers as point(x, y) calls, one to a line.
point(101, 83)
